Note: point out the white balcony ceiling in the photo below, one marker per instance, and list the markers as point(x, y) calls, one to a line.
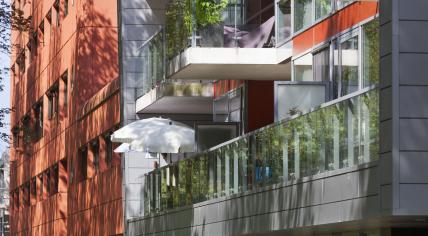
point(170, 100)
point(232, 64)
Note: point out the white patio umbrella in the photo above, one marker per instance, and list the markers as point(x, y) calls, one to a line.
point(157, 135)
point(124, 147)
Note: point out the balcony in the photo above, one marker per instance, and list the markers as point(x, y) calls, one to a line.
point(337, 135)
point(214, 40)
point(160, 96)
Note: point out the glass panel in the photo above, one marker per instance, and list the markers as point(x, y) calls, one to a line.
point(322, 65)
point(283, 20)
point(342, 3)
point(322, 8)
point(302, 14)
point(341, 135)
point(349, 66)
point(303, 68)
point(218, 23)
point(371, 53)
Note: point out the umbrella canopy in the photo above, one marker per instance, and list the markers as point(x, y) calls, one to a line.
point(124, 147)
point(157, 135)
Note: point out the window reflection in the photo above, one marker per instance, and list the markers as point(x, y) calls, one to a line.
point(322, 8)
point(303, 68)
point(349, 66)
point(283, 20)
point(302, 14)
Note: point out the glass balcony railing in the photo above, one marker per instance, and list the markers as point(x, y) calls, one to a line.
point(154, 63)
point(218, 23)
point(336, 135)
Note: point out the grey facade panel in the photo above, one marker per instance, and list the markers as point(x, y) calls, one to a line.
point(368, 182)
point(140, 32)
point(386, 72)
point(151, 4)
point(385, 172)
point(413, 134)
point(134, 80)
point(340, 187)
point(414, 197)
point(135, 65)
point(413, 10)
point(132, 48)
point(143, 16)
point(385, 134)
point(413, 102)
point(412, 37)
point(385, 104)
point(385, 43)
point(413, 167)
point(276, 209)
point(413, 69)
point(385, 12)
point(386, 197)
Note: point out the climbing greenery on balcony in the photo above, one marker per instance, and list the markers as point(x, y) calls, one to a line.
point(183, 17)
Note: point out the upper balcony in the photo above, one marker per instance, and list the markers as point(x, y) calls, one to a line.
point(224, 39)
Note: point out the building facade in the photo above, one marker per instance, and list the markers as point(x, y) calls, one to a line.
point(65, 178)
point(309, 117)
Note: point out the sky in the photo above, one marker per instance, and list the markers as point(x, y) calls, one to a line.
point(5, 99)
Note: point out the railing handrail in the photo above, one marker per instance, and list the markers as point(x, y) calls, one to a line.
point(285, 120)
point(150, 38)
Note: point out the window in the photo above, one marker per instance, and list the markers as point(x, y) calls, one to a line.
point(42, 31)
point(57, 13)
point(228, 108)
point(370, 53)
point(350, 62)
point(38, 124)
point(65, 8)
point(303, 68)
point(95, 148)
point(21, 61)
point(15, 134)
point(53, 100)
point(35, 42)
point(33, 189)
point(55, 180)
point(322, 65)
point(108, 150)
point(17, 199)
point(347, 74)
point(302, 14)
point(322, 8)
point(342, 3)
point(48, 183)
point(27, 194)
point(83, 163)
point(26, 128)
point(49, 16)
point(41, 186)
point(64, 79)
point(283, 20)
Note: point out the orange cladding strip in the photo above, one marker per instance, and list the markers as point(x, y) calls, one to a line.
point(340, 21)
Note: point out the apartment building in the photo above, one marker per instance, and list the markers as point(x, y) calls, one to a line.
point(327, 99)
point(65, 178)
point(309, 117)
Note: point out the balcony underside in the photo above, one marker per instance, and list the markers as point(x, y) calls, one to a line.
point(231, 64)
point(173, 98)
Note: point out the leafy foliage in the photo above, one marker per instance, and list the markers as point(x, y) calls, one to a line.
point(183, 17)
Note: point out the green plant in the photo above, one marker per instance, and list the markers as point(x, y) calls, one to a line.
point(183, 17)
